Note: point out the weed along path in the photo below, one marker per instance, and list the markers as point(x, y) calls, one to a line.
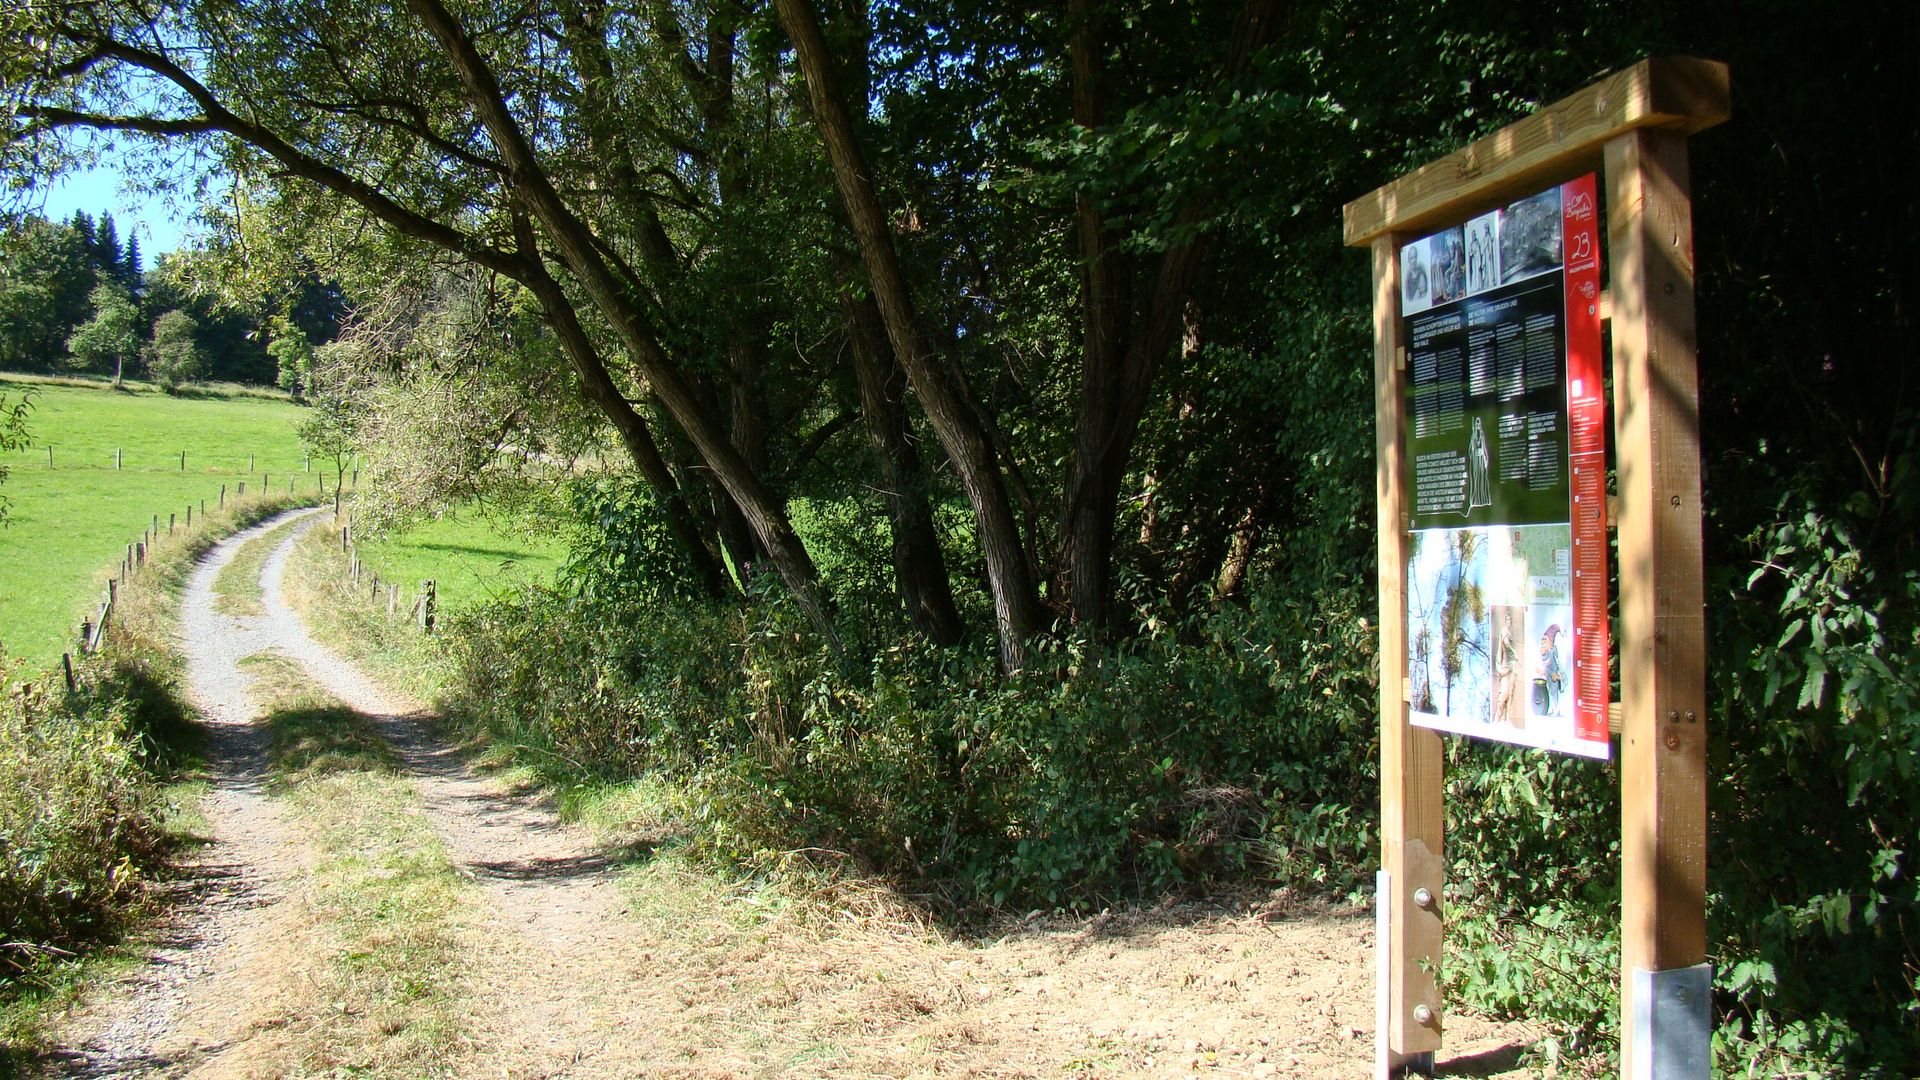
point(370, 904)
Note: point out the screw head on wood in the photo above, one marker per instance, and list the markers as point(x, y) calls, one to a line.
point(1423, 1013)
point(1423, 897)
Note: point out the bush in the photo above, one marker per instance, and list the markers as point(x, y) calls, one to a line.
point(79, 823)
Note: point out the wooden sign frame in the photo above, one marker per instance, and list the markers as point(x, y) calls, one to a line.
point(1633, 125)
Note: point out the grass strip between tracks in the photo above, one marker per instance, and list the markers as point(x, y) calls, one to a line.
point(382, 904)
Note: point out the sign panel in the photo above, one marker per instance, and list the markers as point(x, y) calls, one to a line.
point(1506, 441)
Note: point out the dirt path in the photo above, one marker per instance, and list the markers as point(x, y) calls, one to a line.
point(582, 962)
point(168, 1015)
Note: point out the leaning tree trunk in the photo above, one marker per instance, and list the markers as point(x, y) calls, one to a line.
point(919, 568)
point(533, 188)
point(1016, 604)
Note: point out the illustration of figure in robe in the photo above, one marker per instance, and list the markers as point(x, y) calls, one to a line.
point(1552, 681)
point(1506, 668)
point(1479, 483)
point(1481, 274)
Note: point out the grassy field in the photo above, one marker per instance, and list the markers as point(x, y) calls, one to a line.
point(468, 556)
point(72, 519)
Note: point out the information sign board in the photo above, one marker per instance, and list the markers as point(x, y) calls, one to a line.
point(1506, 444)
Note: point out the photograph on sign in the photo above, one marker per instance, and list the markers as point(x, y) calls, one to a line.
point(1506, 473)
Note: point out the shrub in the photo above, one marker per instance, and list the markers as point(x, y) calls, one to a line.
point(79, 823)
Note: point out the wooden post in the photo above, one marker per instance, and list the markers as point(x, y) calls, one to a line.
point(140, 554)
point(393, 599)
point(156, 526)
point(1411, 822)
point(1663, 751)
point(86, 633)
point(427, 603)
point(66, 662)
point(183, 461)
point(223, 496)
point(116, 459)
point(240, 489)
point(49, 455)
point(189, 515)
point(171, 518)
point(249, 462)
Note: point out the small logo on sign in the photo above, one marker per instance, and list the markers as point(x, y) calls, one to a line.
point(1580, 207)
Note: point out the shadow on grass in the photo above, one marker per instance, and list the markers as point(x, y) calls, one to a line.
point(308, 741)
point(468, 549)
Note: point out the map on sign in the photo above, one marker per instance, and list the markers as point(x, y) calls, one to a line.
point(1506, 571)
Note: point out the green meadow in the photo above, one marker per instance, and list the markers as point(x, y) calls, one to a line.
point(71, 519)
point(469, 557)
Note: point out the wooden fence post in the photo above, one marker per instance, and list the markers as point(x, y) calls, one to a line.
point(66, 663)
point(116, 459)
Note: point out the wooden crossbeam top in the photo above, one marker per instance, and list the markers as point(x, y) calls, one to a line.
point(1562, 140)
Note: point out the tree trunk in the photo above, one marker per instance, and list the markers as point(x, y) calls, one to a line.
point(1016, 604)
point(919, 568)
point(600, 389)
point(1118, 375)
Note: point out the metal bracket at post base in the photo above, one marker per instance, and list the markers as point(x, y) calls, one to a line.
point(1672, 1024)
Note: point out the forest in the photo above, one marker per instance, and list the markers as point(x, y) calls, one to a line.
point(75, 300)
point(985, 396)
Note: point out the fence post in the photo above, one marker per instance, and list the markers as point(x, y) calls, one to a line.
point(240, 489)
point(249, 462)
point(183, 461)
point(427, 604)
point(86, 633)
point(223, 496)
point(66, 662)
point(49, 455)
point(170, 521)
point(140, 554)
point(116, 459)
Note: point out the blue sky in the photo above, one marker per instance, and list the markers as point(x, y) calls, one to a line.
point(104, 188)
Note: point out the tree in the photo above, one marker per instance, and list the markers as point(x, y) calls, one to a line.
point(111, 336)
point(175, 356)
point(292, 356)
point(43, 292)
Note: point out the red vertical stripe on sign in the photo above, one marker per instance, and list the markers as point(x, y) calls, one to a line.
point(1587, 451)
